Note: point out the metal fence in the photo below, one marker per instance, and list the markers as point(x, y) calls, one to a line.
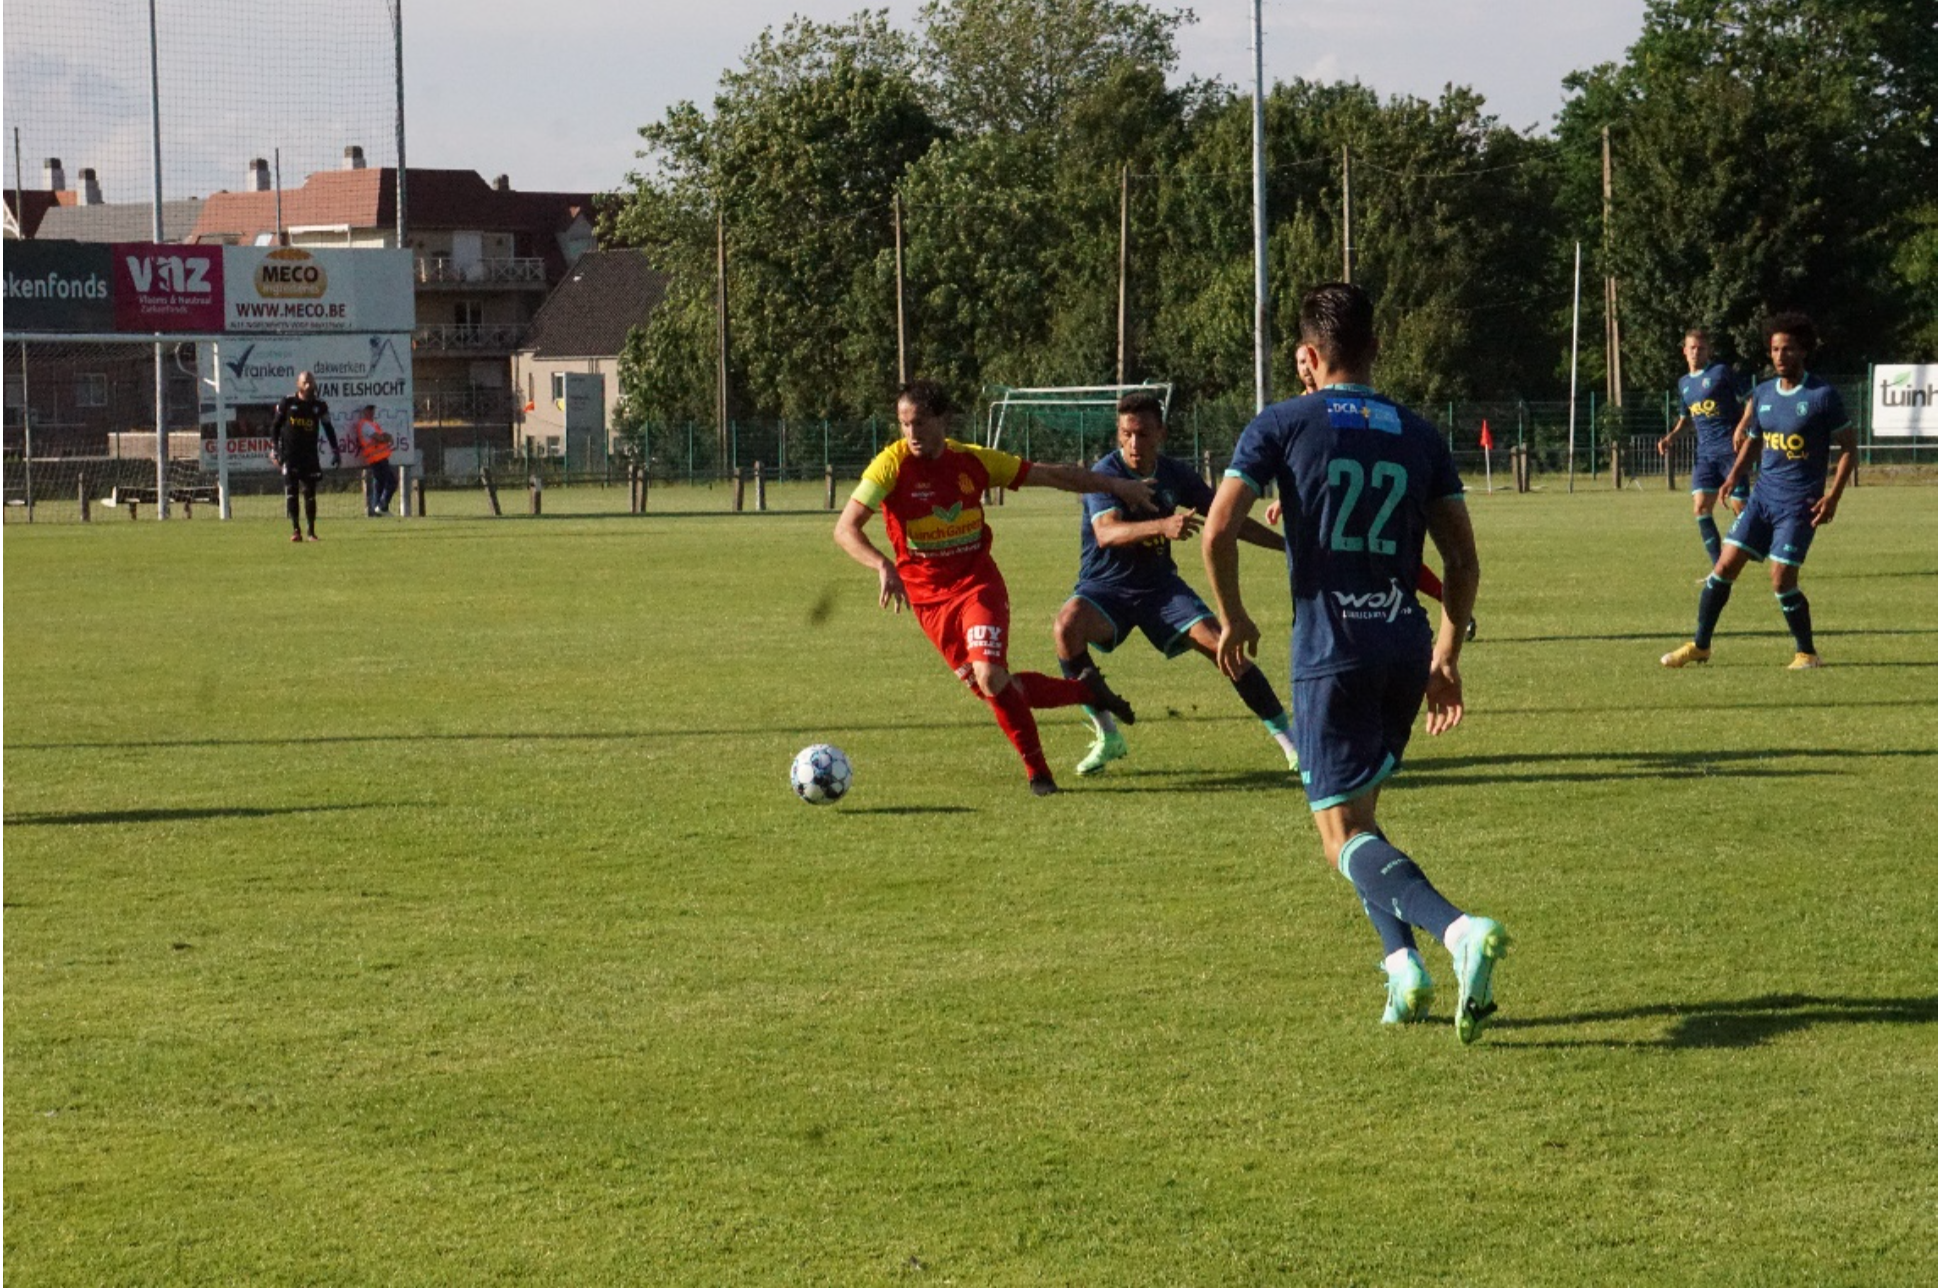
point(1612, 446)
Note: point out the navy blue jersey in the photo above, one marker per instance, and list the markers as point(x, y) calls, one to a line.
point(1796, 425)
point(1356, 473)
point(1146, 564)
point(1710, 400)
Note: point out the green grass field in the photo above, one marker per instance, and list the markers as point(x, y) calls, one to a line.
point(428, 906)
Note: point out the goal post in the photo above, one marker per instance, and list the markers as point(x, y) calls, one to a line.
point(1060, 421)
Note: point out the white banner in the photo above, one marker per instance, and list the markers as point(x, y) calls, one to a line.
point(362, 378)
point(292, 289)
point(1904, 401)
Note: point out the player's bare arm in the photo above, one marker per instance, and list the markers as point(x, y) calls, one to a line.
point(1452, 531)
point(1745, 448)
point(1662, 445)
point(850, 536)
point(1826, 508)
point(1238, 634)
point(1135, 493)
point(1114, 530)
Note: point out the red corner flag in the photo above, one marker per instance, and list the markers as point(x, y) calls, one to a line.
point(1486, 438)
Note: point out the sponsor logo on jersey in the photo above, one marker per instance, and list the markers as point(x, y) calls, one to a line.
point(1372, 605)
point(985, 638)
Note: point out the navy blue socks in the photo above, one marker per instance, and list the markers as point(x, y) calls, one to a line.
point(1391, 884)
point(1796, 615)
point(1715, 594)
point(1712, 540)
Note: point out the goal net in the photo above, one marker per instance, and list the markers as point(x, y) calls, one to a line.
point(1067, 422)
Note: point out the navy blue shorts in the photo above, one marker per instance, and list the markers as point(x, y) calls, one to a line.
point(1780, 533)
point(1352, 729)
point(1165, 614)
point(1711, 469)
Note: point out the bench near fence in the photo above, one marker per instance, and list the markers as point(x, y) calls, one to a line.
point(133, 498)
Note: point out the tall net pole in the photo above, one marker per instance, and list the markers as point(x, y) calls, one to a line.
point(397, 45)
point(161, 385)
point(1261, 335)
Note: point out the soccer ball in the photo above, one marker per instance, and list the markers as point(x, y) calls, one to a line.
point(821, 774)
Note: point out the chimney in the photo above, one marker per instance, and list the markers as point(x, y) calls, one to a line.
point(258, 176)
point(502, 183)
point(56, 177)
point(90, 189)
point(353, 157)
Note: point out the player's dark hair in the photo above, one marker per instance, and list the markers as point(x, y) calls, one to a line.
point(1141, 403)
point(1336, 318)
point(1794, 324)
point(1701, 333)
point(926, 396)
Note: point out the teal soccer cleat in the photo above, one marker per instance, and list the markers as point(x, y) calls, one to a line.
point(1484, 944)
point(1108, 747)
point(1409, 991)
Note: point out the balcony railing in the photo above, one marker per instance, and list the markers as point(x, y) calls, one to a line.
point(463, 407)
point(459, 337)
point(439, 271)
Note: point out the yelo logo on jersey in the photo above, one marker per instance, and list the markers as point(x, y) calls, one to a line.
point(1792, 446)
point(1707, 407)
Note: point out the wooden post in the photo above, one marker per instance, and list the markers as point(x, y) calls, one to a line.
point(760, 487)
point(491, 490)
point(1615, 463)
point(536, 488)
point(86, 515)
point(830, 472)
point(739, 489)
point(1123, 267)
point(901, 311)
point(1669, 466)
point(1204, 468)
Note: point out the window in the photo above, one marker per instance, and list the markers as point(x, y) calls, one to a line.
point(469, 313)
point(91, 390)
point(558, 386)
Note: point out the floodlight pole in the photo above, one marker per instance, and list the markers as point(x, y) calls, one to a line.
point(1261, 340)
point(161, 389)
point(1123, 265)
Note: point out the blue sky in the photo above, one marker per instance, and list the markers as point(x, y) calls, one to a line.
point(552, 93)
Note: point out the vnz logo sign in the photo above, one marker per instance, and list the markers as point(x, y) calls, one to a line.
point(1372, 605)
point(172, 274)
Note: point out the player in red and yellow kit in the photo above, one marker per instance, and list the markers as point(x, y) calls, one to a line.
point(930, 491)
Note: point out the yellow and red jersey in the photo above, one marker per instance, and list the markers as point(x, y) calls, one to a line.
point(934, 512)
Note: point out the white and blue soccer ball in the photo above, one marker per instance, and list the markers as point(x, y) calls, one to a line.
point(821, 774)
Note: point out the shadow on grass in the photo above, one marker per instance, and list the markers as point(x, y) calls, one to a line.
point(1185, 780)
point(912, 809)
point(1676, 633)
point(1732, 1025)
point(1762, 762)
point(167, 815)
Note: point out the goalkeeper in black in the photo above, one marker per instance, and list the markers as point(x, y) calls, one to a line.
point(292, 449)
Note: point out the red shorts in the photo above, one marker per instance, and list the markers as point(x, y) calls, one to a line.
point(970, 627)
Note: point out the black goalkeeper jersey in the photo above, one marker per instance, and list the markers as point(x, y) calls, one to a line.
point(294, 432)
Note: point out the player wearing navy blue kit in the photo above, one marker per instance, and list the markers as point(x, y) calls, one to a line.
point(1711, 404)
point(1127, 580)
point(1794, 419)
point(1365, 481)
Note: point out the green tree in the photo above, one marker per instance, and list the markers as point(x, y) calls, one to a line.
point(1011, 66)
point(1768, 154)
point(804, 148)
